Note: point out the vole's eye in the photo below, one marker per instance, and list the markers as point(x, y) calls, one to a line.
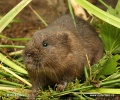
point(45, 44)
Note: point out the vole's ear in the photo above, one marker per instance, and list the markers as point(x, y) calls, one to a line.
point(65, 36)
point(67, 40)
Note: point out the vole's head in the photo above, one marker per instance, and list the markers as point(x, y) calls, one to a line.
point(47, 48)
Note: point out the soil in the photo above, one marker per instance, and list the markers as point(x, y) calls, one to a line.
point(26, 22)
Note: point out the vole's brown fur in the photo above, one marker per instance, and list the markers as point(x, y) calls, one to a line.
point(57, 54)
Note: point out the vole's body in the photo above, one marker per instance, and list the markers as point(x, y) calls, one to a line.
point(57, 54)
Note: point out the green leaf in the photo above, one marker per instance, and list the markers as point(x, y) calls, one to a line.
point(106, 66)
point(118, 8)
point(115, 21)
point(11, 14)
point(110, 36)
point(110, 66)
point(112, 11)
point(116, 11)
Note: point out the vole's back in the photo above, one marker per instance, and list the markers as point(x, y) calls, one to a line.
point(82, 33)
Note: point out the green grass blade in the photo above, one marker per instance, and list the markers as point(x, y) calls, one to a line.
point(71, 12)
point(11, 83)
point(43, 21)
point(11, 14)
point(15, 75)
point(115, 21)
point(105, 91)
point(11, 64)
point(16, 53)
point(14, 39)
point(11, 46)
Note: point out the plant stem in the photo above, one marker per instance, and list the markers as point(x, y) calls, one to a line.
point(38, 16)
point(101, 1)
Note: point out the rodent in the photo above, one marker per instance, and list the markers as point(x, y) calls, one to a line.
point(57, 54)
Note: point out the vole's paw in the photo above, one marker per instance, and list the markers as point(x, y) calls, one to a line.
point(32, 95)
point(61, 87)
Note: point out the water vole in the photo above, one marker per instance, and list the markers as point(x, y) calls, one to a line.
point(57, 54)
